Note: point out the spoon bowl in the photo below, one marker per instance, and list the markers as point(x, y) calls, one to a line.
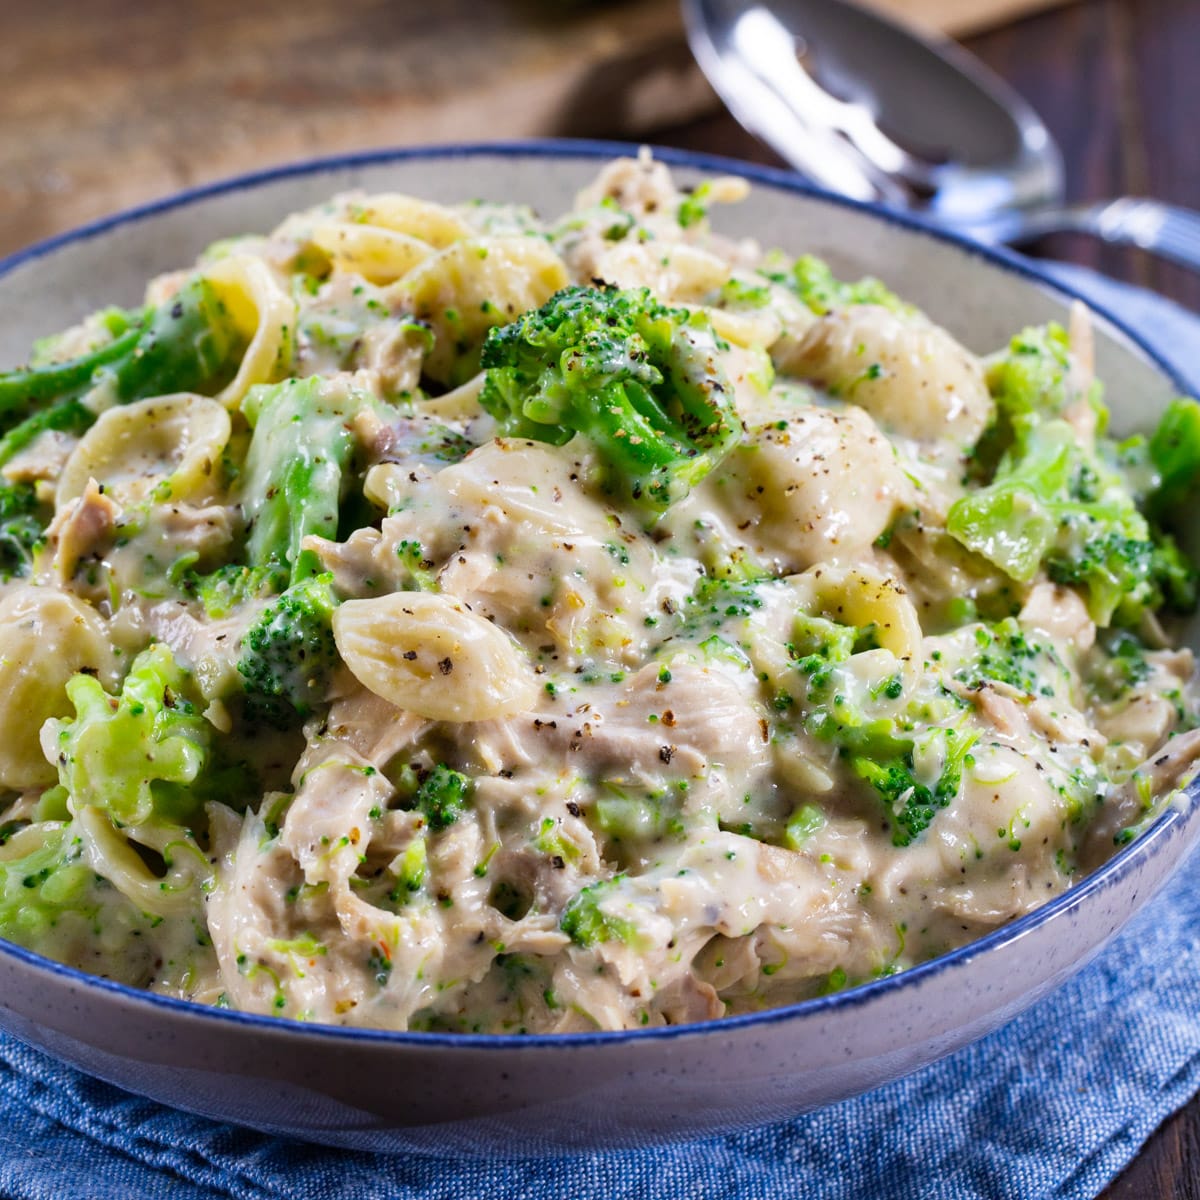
point(880, 112)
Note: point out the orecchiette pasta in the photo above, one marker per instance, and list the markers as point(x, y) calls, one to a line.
point(168, 445)
point(433, 224)
point(867, 600)
point(46, 637)
point(682, 274)
point(812, 486)
point(908, 373)
point(378, 255)
point(429, 654)
point(472, 286)
point(263, 312)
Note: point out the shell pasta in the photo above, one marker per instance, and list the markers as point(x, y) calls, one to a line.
point(442, 617)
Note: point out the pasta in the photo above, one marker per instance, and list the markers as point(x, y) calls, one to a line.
point(464, 621)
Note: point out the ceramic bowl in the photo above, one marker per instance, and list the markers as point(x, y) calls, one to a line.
point(524, 1095)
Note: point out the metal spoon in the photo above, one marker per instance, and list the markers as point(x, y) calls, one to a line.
point(879, 112)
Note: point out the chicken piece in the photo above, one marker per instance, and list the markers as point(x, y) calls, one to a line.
point(82, 532)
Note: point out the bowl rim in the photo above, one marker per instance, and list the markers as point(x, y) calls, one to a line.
point(1168, 824)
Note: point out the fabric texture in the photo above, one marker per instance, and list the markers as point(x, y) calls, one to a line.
point(1053, 1105)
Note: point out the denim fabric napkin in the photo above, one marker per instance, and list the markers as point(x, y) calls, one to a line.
point(1053, 1105)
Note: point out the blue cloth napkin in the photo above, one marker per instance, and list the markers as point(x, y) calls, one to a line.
point(1053, 1105)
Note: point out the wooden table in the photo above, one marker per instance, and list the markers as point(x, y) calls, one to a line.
point(109, 102)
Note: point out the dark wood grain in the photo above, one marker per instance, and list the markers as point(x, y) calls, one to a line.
point(1118, 84)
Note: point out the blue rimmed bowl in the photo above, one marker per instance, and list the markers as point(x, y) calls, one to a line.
point(525, 1095)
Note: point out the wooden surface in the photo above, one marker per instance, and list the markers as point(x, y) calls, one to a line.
point(110, 102)
point(106, 103)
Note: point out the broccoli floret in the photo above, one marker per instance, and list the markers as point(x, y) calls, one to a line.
point(1006, 654)
point(52, 902)
point(1123, 575)
point(719, 599)
point(627, 816)
point(886, 761)
point(410, 870)
point(1116, 664)
point(806, 819)
point(420, 569)
point(585, 922)
point(442, 796)
point(1175, 453)
point(66, 416)
point(190, 344)
point(296, 469)
point(143, 754)
point(877, 750)
point(1053, 502)
point(21, 529)
point(1033, 374)
point(693, 208)
point(812, 280)
point(640, 380)
point(222, 591)
point(288, 653)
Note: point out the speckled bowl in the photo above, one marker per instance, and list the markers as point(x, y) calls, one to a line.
point(483, 1095)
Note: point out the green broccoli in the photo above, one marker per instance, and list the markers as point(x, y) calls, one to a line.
point(141, 755)
point(1032, 375)
point(1054, 502)
point(1006, 654)
point(805, 820)
point(21, 529)
point(52, 902)
point(646, 814)
point(877, 750)
point(812, 280)
point(640, 380)
point(441, 796)
point(693, 208)
point(189, 344)
point(65, 416)
point(410, 869)
point(885, 759)
point(1175, 453)
point(585, 922)
point(911, 803)
point(222, 591)
point(296, 468)
point(1116, 664)
point(288, 653)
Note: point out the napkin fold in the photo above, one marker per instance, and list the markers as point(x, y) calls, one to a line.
point(1055, 1104)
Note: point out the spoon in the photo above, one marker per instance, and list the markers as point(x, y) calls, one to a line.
point(879, 112)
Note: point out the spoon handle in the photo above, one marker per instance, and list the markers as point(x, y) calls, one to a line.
point(1161, 229)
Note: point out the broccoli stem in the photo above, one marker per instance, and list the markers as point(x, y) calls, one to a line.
point(641, 381)
point(189, 344)
point(23, 391)
point(296, 468)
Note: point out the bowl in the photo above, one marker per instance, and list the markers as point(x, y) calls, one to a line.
point(483, 1095)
